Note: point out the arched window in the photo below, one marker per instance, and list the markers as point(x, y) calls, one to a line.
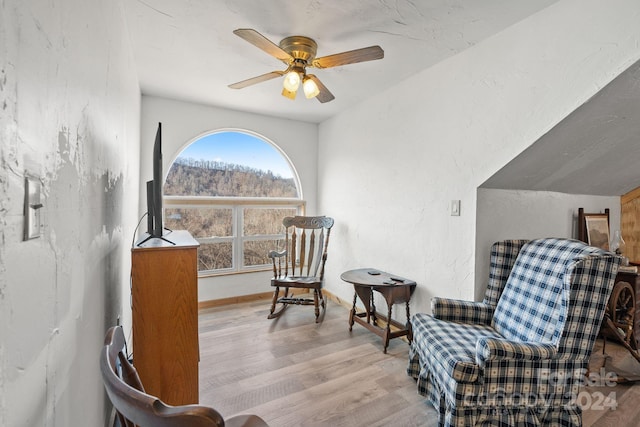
point(231, 189)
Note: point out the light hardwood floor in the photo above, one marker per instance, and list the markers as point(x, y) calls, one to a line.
point(294, 372)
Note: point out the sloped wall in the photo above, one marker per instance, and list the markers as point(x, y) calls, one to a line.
point(69, 116)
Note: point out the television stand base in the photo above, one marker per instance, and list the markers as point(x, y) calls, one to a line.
point(149, 237)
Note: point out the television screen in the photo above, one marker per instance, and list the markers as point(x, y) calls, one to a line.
point(155, 207)
point(155, 227)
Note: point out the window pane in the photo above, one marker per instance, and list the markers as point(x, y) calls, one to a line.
point(260, 221)
point(231, 164)
point(256, 251)
point(214, 256)
point(201, 222)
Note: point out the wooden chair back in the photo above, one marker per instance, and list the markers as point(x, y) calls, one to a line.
point(306, 242)
point(134, 407)
point(583, 234)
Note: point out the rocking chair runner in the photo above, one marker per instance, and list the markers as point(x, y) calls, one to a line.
point(301, 264)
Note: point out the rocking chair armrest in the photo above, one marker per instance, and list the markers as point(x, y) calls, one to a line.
point(277, 254)
point(501, 349)
point(461, 311)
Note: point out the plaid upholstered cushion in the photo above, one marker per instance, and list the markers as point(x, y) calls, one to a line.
point(450, 346)
point(453, 310)
point(533, 305)
point(503, 256)
point(499, 348)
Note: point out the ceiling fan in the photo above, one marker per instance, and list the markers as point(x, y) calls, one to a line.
point(298, 53)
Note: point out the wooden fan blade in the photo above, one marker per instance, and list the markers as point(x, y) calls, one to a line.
point(351, 57)
point(324, 95)
point(255, 80)
point(260, 41)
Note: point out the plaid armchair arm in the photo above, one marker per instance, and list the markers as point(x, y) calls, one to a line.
point(494, 349)
point(454, 310)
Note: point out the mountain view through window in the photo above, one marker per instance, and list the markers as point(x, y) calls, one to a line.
point(230, 190)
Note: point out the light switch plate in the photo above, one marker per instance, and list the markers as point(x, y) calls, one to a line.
point(455, 208)
point(32, 205)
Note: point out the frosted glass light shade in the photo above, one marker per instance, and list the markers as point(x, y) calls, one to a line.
point(310, 88)
point(291, 81)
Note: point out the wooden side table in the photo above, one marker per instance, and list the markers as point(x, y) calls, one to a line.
point(394, 289)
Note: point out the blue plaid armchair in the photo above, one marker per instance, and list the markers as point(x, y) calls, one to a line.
point(520, 356)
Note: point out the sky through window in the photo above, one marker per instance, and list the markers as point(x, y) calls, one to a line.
point(241, 149)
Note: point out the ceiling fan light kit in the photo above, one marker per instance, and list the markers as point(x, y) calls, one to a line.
point(291, 81)
point(310, 88)
point(298, 53)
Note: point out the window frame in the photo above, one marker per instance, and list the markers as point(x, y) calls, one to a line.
point(237, 204)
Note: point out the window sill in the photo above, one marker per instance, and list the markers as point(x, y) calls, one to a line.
point(206, 274)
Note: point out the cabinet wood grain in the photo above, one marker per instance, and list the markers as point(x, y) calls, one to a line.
point(164, 292)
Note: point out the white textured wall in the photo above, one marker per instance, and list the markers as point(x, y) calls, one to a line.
point(69, 114)
point(389, 166)
point(511, 214)
point(183, 122)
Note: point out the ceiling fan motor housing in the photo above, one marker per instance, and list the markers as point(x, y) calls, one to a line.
point(300, 48)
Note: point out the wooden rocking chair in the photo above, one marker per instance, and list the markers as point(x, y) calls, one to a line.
point(301, 264)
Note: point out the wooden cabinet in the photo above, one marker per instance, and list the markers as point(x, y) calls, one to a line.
point(164, 289)
point(630, 223)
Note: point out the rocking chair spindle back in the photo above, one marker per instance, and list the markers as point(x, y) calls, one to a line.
point(305, 254)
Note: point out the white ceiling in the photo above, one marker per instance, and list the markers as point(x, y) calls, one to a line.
point(186, 50)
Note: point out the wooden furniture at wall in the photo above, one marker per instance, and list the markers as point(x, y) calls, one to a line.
point(634, 280)
point(164, 290)
point(583, 235)
point(630, 223)
point(621, 321)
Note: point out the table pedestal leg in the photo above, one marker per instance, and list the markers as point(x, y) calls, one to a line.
point(352, 313)
point(409, 329)
point(373, 310)
point(387, 332)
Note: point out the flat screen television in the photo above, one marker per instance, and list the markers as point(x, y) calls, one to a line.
point(155, 227)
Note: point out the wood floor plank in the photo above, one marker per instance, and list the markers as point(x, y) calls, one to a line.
point(418, 414)
point(627, 412)
point(324, 404)
point(368, 413)
point(294, 372)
